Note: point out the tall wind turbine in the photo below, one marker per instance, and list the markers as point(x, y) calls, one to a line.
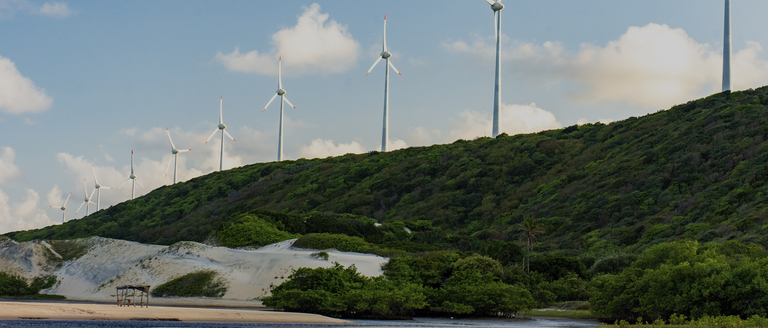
point(134, 178)
point(98, 189)
point(174, 155)
point(386, 55)
point(280, 92)
point(63, 208)
point(727, 49)
point(221, 127)
point(497, 7)
point(87, 201)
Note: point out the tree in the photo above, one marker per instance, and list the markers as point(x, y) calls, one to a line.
point(532, 230)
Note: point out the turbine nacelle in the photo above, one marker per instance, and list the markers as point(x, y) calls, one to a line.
point(97, 186)
point(174, 151)
point(497, 6)
point(63, 208)
point(386, 54)
point(280, 92)
point(222, 126)
point(132, 176)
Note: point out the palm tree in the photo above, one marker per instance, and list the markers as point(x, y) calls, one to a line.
point(532, 230)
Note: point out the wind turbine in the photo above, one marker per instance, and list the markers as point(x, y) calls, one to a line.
point(98, 189)
point(87, 201)
point(497, 7)
point(221, 127)
point(386, 55)
point(727, 49)
point(174, 155)
point(280, 92)
point(134, 178)
point(63, 208)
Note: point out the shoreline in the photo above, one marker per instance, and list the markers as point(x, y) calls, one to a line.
point(73, 310)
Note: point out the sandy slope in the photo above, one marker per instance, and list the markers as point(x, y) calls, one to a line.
point(79, 311)
point(110, 263)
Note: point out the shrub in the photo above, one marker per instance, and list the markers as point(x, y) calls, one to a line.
point(250, 230)
point(195, 284)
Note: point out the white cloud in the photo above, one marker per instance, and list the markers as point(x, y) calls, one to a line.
point(397, 144)
point(9, 8)
point(420, 136)
point(17, 93)
point(584, 120)
point(8, 170)
point(55, 9)
point(23, 215)
point(515, 119)
point(314, 45)
point(320, 148)
point(653, 66)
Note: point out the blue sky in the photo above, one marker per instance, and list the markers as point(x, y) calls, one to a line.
point(86, 82)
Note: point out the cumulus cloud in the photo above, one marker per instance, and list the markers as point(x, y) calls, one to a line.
point(17, 93)
point(8, 170)
point(515, 119)
point(313, 45)
point(584, 120)
point(651, 66)
point(55, 9)
point(320, 148)
point(421, 136)
point(23, 215)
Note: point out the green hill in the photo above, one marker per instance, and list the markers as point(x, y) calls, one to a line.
point(695, 171)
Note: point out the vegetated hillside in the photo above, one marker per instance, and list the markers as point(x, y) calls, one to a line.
point(697, 170)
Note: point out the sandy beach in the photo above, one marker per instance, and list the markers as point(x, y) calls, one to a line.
point(10, 310)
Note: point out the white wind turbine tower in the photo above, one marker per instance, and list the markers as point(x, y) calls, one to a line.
point(63, 208)
point(87, 201)
point(221, 127)
point(280, 92)
point(386, 55)
point(174, 155)
point(727, 49)
point(134, 178)
point(98, 189)
point(497, 7)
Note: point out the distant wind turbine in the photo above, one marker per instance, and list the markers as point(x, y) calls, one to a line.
point(727, 49)
point(497, 7)
point(221, 127)
point(280, 92)
point(87, 201)
point(63, 208)
point(386, 55)
point(98, 189)
point(174, 155)
point(134, 178)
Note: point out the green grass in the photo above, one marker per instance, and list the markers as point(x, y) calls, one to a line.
point(570, 314)
point(196, 284)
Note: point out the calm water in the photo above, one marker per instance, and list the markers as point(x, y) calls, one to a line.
point(417, 323)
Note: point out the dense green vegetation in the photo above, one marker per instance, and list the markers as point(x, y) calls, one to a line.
point(15, 286)
point(467, 286)
point(196, 284)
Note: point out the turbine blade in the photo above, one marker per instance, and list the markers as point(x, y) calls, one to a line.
point(221, 117)
point(289, 103)
point(270, 101)
point(372, 66)
point(385, 33)
point(227, 133)
point(393, 67)
point(209, 138)
point(91, 196)
point(184, 150)
point(55, 206)
point(65, 202)
point(126, 181)
point(169, 166)
point(85, 188)
point(280, 73)
point(489, 2)
point(78, 209)
point(142, 186)
point(169, 137)
point(94, 174)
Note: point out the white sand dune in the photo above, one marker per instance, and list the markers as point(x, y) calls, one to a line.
point(109, 263)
